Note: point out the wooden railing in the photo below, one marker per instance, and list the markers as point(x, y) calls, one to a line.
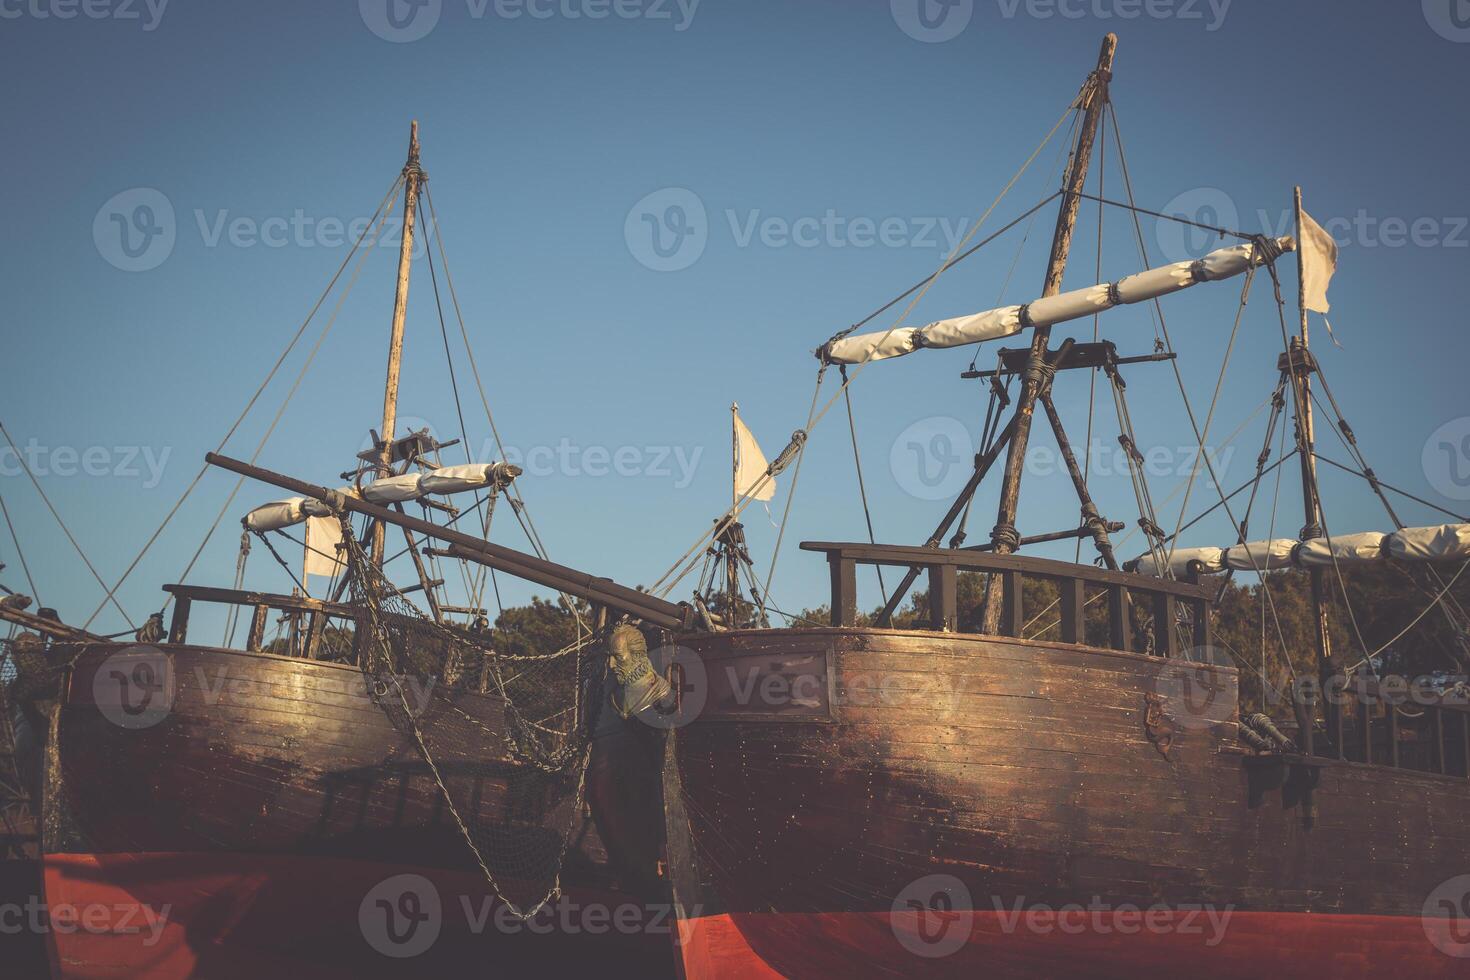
point(315, 612)
point(1376, 725)
point(1161, 596)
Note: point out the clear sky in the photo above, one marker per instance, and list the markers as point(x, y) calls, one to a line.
point(179, 177)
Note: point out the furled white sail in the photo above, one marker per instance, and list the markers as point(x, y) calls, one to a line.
point(1443, 543)
point(1007, 321)
point(387, 490)
point(467, 476)
point(1355, 549)
point(1446, 542)
point(284, 513)
point(394, 489)
point(1213, 560)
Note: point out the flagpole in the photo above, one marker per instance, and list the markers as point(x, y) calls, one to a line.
point(1302, 369)
point(734, 455)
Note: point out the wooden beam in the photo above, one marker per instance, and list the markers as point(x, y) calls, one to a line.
point(943, 598)
point(1073, 600)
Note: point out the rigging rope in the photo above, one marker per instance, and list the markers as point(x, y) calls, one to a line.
point(857, 460)
point(733, 513)
point(62, 524)
point(19, 553)
point(248, 406)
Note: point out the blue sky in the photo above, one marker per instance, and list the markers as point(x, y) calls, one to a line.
point(798, 129)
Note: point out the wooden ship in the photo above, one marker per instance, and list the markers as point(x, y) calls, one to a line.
point(958, 800)
point(245, 802)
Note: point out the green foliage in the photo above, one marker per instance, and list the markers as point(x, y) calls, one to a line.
point(544, 626)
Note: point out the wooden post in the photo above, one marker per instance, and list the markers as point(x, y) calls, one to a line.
point(178, 627)
point(256, 638)
point(1094, 97)
point(1166, 641)
point(1013, 606)
point(1437, 713)
point(412, 175)
point(844, 590)
point(943, 598)
point(1120, 629)
point(1073, 600)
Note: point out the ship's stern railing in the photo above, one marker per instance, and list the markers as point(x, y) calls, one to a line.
point(1162, 597)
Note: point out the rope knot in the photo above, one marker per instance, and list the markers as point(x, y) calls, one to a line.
point(1005, 537)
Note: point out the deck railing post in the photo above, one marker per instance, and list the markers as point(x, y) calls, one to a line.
point(178, 627)
point(256, 638)
point(844, 589)
point(1437, 714)
point(1012, 611)
point(1074, 607)
point(1120, 628)
point(943, 598)
point(1391, 715)
point(1166, 640)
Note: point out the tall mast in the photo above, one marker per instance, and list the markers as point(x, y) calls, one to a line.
point(732, 558)
point(412, 177)
point(1301, 364)
point(1004, 537)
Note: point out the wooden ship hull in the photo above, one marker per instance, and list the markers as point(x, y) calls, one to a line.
point(829, 775)
point(255, 817)
point(1024, 770)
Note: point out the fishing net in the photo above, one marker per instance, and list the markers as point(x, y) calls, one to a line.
point(505, 738)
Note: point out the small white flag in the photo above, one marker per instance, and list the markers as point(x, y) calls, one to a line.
point(323, 546)
point(1319, 262)
point(750, 462)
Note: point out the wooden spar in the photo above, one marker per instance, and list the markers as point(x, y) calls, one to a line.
point(49, 627)
point(732, 558)
point(600, 591)
point(1003, 537)
point(1306, 438)
point(412, 175)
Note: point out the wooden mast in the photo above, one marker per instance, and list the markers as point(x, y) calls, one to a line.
point(1004, 538)
point(412, 177)
point(1301, 364)
point(732, 559)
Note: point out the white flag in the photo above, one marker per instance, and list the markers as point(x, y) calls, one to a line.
point(1319, 262)
point(750, 462)
point(323, 544)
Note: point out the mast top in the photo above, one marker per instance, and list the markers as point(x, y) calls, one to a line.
point(413, 144)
